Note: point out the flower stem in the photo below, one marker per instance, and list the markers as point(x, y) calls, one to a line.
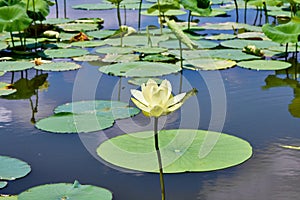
point(161, 178)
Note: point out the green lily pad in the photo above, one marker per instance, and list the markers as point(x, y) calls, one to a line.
point(264, 64)
point(110, 109)
point(252, 35)
point(2, 73)
point(208, 64)
point(284, 33)
point(100, 34)
point(240, 44)
point(74, 123)
point(230, 26)
point(4, 90)
point(12, 66)
point(3, 46)
point(115, 58)
point(215, 12)
point(159, 58)
point(202, 44)
point(3, 184)
point(57, 21)
point(64, 53)
point(8, 197)
point(73, 27)
point(85, 44)
point(140, 81)
point(150, 50)
point(181, 151)
point(221, 36)
point(168, 13)
point(64, 191)
point(94, 6)
point(134, 6)
point(12, 168)
point(58, 66)
point(140, 69)
point(87, 58)
point(115, 50)
point(136, 40)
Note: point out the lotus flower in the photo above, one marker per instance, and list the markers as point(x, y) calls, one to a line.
point(156, 101)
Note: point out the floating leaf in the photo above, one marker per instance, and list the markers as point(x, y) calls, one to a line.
point(72, 123)
point(181, 151)
point(208, 64)
point(87, 58)
point(140, 69)
point(85, 44)
point(252, 35)
point(94, 6)
point(64, 191)
point(2, 184)
point(140, 81)
point(110, 109)
point(72, 27)
point(64, 53)
point(150, 50)
point(113, 58)
point(202, 44)
point(12, 168)
point(115, 50)
point(101, 34)
point(5, 89)
point(57, 21)
point(167, 13)
point(58, 66)
point(137, 40)
point(240, 44)
point(3, 46)
point(8, 197)
point(264, 64)
point(159, 58)
point(230, 26)
point(214, 12)
point(221, 36)
point(2, 73)
point(11, 66)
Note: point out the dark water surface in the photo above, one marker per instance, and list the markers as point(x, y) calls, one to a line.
point(259, 116)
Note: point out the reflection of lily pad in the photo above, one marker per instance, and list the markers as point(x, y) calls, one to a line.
point(208, 64)
point(140, 69)
point(69, 123)
point(64, 53)
point(58, 66)
point(11, 66)
point(109, 109)
point(294, 107)
point(264, 64)
point(181, 150)
point(5, 89)
point(64, 191)
point(3, 184)
point(12, 168)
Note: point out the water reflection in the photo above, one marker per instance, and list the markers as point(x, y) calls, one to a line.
point(272, 173)
point(290, 79)
point(29, 89)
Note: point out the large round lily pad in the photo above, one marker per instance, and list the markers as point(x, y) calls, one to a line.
point(208, 64)
point(57, 20)
point(11, 66)
point(109, 109)
point(167, 13)
point(264, 64)
point(115, 50)
point(72, 123)
point(136, 40)
point(58, 66)
point(115, 58)
point(202, 44)
point(64, 53)
point(12, 168)
point(85, 44)
point(94, 6)
point(182, 150)
point(240, 44)
point(139, 69)
point(74, 27)
point(64, 191)
point(100, 34)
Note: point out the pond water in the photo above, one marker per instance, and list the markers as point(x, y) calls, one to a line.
point(260, 116)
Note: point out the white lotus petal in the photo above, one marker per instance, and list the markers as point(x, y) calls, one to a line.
point(156, 111)
point(176, 99)
point(175, 107)
point(140, 105)
point(139, 96)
